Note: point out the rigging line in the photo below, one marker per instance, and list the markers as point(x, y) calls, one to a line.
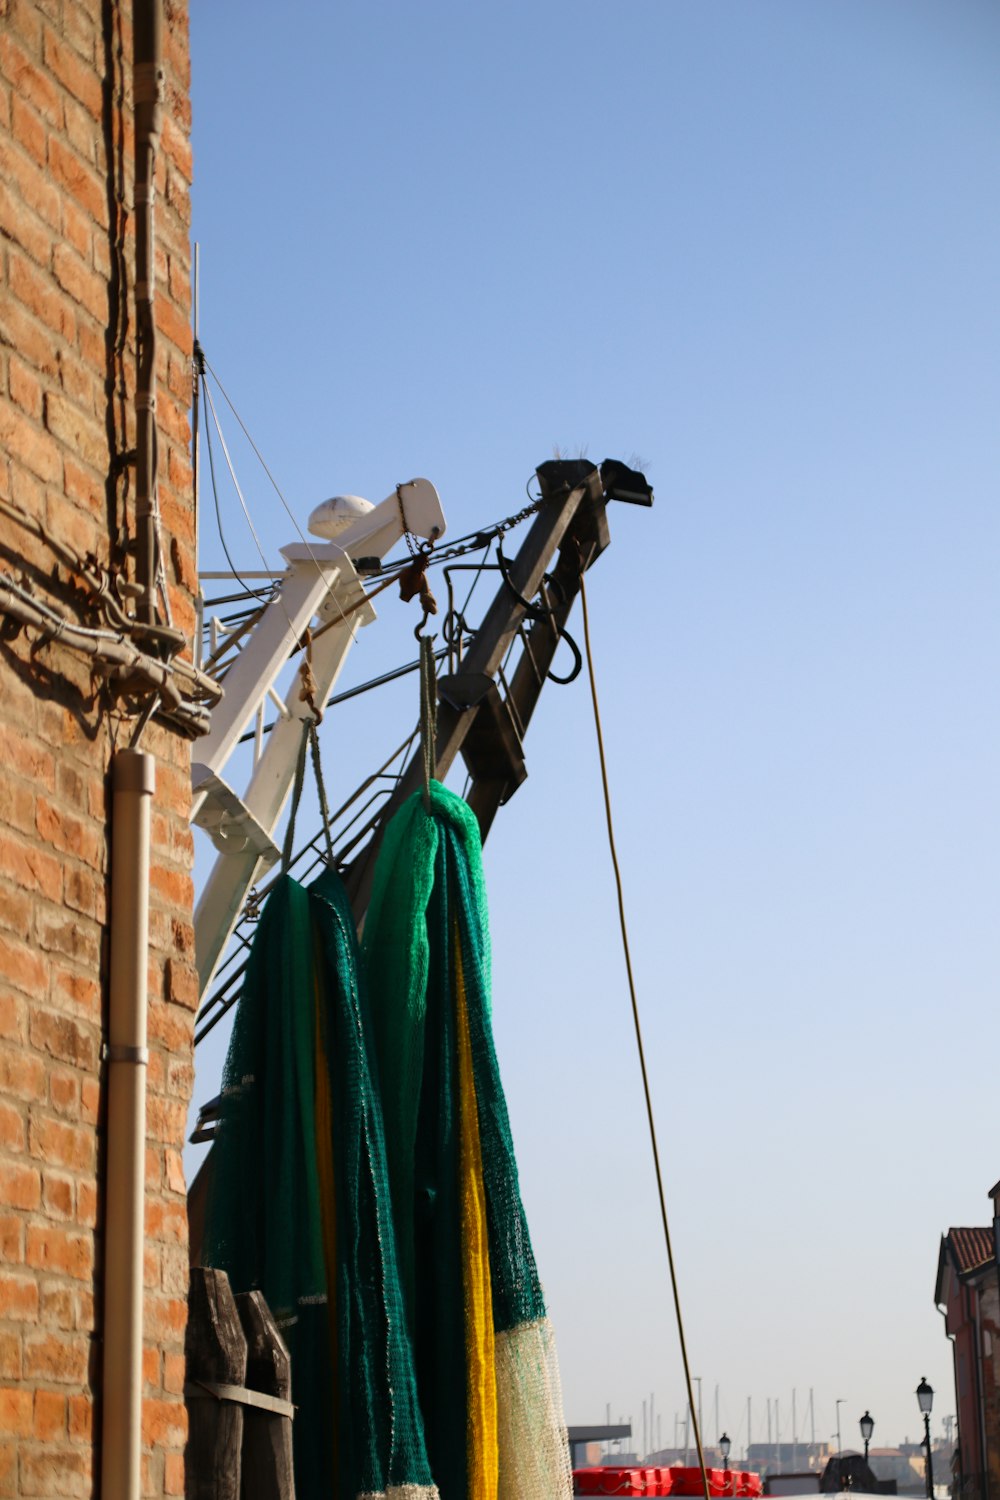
point(252, 593)
point(232, 475)
point(355, 692)
point(638, 1030)
point(260, 459)
point(279, 596)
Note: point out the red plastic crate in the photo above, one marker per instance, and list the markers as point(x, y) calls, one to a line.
point(722, 1483)
point(609, 1480)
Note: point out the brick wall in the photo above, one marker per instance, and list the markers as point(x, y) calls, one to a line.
point(66, 425)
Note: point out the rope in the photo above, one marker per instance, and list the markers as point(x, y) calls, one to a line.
point(638, 1035)
point(307, 691)
point(321, 789)
point(428, 715)
point(300, 767)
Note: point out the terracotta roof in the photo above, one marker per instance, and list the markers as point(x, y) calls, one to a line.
point(971, 1248)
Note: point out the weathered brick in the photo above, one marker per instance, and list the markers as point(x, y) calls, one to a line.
point(29, 866)
point(56, 1471)
point(165, 1118)
point(26, 444)
point(22, 331)
point(24, 227)
point(64, 1038)
point(29, 80)
point(34, 289)
point(11, 1239)
point(78, 429)
point(61, 1145)
point(83, 132)
point(12, 1131)
point(86, 1204)
point(84, 285)
point(18, 1297)
point(64, 831)
point(10, 1355)
point(174, 1165)
point(61, 933)
point(81, 1418)
point(22, 1075)
point(20, 1186)
point(25, 389)
point(181, 984)
point(174, 1373)
point(164, 1423)
point(15, 912)
point(166, 1221)
point(57, 1195)
point(28, 128)
point(21, 966)
point(15, 1412)
point(49, 1416)
point(73, 72)
point(30, 182)
point(79, 993)
point(55, 1309)
point(51, 1249)
point(173, 1474)
point(83, 1309)
point(90, 1100)
point(79, 178)
point(77, 229)
point(64, 1094)
point(57, 1357)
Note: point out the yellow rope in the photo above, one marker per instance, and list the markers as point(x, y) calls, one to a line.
point(638, 1036)
point(482, 1451)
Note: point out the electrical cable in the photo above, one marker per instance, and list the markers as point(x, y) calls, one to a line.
point(638, 1032)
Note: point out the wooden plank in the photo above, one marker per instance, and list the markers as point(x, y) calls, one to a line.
point(216, 1351)
point(267, 1436)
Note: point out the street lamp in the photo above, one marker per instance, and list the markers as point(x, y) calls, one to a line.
point(724, 1446)
point(925, 1400)
point(867, 1425)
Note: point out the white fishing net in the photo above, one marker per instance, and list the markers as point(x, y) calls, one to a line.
point(531, 1432)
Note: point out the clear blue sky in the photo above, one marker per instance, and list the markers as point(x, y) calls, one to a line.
point(757, 244)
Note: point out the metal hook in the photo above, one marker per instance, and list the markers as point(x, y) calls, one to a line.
point(418, 630)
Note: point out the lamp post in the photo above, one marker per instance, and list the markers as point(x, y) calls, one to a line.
point(867, 1425)
point(724, 1446)
point(925, 1400)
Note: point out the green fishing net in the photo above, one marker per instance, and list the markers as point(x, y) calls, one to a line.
point(299, 1205)
point(427, 948)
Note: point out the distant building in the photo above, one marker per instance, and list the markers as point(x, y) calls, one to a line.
point(967, 1291)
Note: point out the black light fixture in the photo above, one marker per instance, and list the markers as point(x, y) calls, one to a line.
point(925, 1400)
point(724, 1447)
point(867, 1425)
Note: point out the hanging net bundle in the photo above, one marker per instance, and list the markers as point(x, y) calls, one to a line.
point(486, 1371)
point(299, 1205)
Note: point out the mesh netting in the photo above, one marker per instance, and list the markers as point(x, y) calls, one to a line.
point(299, 1205)
point(484, 1355)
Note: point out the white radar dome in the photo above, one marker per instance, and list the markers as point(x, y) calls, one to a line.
point(334, 516)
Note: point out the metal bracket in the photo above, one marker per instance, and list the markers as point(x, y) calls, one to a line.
point(139, 1056)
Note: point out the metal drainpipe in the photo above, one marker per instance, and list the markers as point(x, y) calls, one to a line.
point(149, 90)
point(133, 782)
